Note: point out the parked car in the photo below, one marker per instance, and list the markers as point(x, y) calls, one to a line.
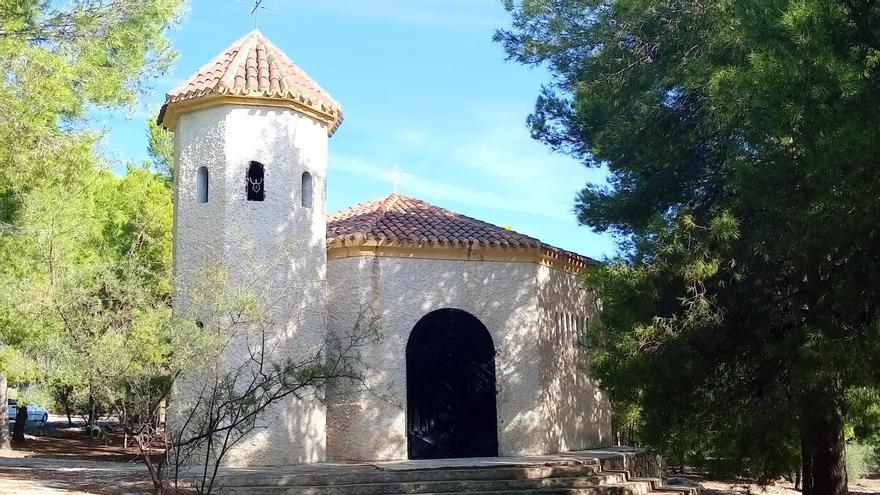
point(36, 414)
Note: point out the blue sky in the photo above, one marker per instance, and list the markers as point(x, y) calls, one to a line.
point(423, 88)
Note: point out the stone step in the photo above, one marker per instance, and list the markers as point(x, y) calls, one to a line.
point(616, 489)
point(599, 475)
point(621, 489)
point(676, 490)
point(597, 485)
point(658, 485)
point(361, 474)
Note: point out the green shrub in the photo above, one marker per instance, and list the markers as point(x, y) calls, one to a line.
point(875, 460)
point(860, 460)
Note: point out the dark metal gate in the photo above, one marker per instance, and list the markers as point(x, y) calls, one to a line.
point(450, 387)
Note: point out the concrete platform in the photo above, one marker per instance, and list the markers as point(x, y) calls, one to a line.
point(610, 471)
point(594, 456)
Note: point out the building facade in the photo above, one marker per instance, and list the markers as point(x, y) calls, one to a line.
point(480, 329)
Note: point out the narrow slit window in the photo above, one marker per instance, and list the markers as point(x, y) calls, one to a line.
point(558, 328)
point(202, 185)
point(584, 339)
point(307, 189)
point(256, 186)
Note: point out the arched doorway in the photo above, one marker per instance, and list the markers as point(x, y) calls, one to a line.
point(450, 387)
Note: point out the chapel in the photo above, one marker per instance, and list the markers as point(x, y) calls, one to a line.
point(481, 348)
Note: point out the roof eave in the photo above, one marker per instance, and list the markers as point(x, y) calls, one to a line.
point(358, 245)
point(172, 110)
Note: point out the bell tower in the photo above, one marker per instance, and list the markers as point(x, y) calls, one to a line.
point(250, 136)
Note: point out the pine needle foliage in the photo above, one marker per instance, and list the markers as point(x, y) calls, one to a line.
point(742, 140)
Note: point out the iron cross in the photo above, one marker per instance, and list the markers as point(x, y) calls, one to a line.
point(256, 6)
point(395, 177)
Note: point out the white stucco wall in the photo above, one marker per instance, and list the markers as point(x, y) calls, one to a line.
point(578, 412)
point(274, 250)
point(536, 388)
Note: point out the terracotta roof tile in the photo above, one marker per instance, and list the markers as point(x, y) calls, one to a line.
point(253, 66)
point(405, 220)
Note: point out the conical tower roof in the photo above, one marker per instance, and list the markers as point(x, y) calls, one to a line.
point(252, 71)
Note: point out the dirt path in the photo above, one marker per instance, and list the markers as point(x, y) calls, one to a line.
point(30, 475)
point(862, 487)
point(58, 459)
point(65, 463)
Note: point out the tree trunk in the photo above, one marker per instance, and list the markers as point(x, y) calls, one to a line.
point(823, 445)
point(92, 422)
point(806, 462)
point(64, 395)
point(20, 421)
point(4, 414)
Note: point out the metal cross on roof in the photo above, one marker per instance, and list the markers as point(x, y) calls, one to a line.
point(256, 6)
point(395, 177)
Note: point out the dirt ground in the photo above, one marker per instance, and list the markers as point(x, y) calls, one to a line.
point(731, 487)
point(60, 460)
point(22, 475)
point(30, 476)
point(72, 443)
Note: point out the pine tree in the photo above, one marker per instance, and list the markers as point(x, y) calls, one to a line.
point(742, 141)
point(69, 229)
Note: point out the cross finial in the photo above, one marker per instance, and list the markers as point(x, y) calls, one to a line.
point(395, 177)
point(256, 6)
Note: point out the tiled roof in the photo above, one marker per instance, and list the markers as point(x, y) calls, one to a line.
point(254, 67)
point(402, 220)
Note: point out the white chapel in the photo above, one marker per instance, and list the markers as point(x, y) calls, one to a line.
point(481, 326)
